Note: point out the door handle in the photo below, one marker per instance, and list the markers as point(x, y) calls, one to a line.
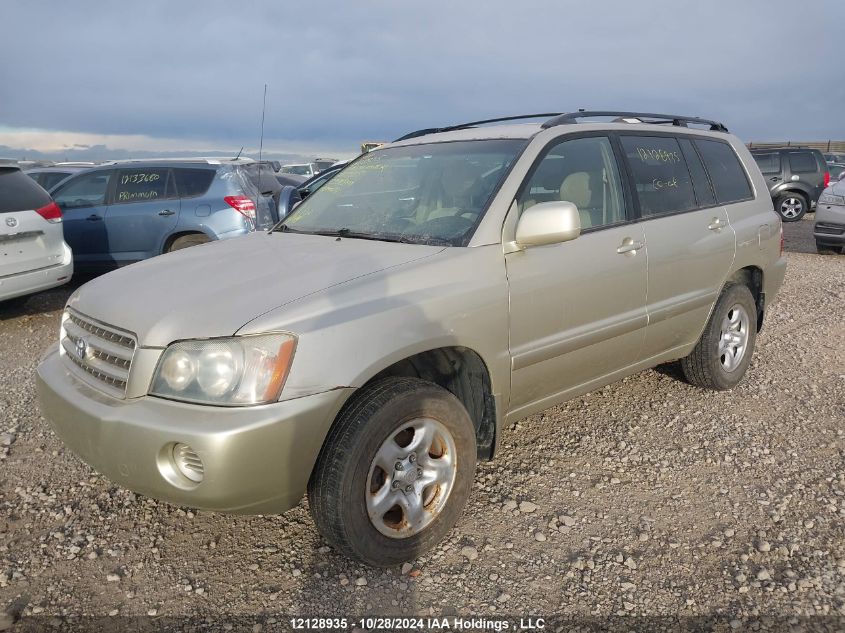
point(166, 212)
point(774, 178)
point(715, 225)
point(629, 247)
point(94, 217)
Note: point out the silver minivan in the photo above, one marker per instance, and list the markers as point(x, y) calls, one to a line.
point(371, 347)
point(33, 253)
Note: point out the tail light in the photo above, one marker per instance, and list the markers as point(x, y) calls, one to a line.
point(781, 240)
point(50, 212)
point(826, 178)
point(242, 205)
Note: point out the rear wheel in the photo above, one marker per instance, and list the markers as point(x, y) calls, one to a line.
point(791, 206)
point(394, 473)
point(186, 241)
point(723, 352)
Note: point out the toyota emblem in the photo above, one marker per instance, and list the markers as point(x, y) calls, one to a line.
point(11, 222)
point(81, 348)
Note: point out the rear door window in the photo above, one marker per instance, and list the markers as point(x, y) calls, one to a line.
point(142, 184)
point(802, 162)
point(191, 182)
point(661, 177)
point(726, 172)
point(700, 181)
point(19, 192)
point(768, 163)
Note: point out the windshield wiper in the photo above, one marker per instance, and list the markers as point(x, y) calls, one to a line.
point(283, 228)
point(427, 241)
point(346, 232)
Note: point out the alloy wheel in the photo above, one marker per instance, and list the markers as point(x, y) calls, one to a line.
point(410, 478)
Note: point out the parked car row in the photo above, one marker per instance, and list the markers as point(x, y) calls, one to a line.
point(120, 212)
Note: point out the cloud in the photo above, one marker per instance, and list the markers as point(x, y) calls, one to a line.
point(339, 73)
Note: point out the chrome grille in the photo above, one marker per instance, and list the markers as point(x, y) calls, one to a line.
point(99, 354)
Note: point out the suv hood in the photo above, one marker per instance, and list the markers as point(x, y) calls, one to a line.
point(214, 289)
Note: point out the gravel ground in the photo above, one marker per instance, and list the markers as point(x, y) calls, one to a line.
point(648, 497)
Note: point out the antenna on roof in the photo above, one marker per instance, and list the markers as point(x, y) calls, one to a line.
point(239, 153)
point(261, 139)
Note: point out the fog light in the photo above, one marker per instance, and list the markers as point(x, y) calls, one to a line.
point(188, 463)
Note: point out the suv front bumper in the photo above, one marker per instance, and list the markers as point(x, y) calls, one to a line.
point(256, 460)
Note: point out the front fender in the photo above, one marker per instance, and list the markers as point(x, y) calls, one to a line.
point(350, 332)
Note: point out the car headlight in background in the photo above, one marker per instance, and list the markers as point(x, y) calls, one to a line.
point(829, 198)
point(240, 370)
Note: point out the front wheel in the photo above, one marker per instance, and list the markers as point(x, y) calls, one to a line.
point(791, 207)
point(723, 352)
point(394, 473)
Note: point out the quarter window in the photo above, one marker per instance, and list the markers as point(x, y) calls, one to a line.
point(802, 163)
point(582, 171)
point(660, 174)
point(726, 173)
point(142, 184)
point(191, 183)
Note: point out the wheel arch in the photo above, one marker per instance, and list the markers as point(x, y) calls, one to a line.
point(168, 241)
point(793, 188)
point(752, 277)
point(460, 370)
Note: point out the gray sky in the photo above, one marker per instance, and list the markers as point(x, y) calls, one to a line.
point(164, 76)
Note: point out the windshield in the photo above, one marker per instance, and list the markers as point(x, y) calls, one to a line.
point(433, 193)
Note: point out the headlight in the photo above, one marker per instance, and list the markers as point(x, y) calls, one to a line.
point(829, 198)
point(240, 370)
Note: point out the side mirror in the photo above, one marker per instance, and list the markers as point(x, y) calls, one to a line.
point(548, 223)
point(288, 199)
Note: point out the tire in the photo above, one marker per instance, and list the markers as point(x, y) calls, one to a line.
point(346, 482)
point(791, 206)
point(186, 241)
point(709, 366)
point(826, 249)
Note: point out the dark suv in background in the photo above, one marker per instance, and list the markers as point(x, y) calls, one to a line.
point(796, 177)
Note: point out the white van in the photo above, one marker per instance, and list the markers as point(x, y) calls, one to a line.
point(33, 252)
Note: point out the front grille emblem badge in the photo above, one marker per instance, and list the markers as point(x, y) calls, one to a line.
point(81, 348)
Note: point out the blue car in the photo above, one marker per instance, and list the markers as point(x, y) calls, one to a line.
point(123, 212)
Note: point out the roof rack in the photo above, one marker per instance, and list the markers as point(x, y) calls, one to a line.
point(462, 126)
point(777, 147)
point(563, 118)
point(638, 117)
